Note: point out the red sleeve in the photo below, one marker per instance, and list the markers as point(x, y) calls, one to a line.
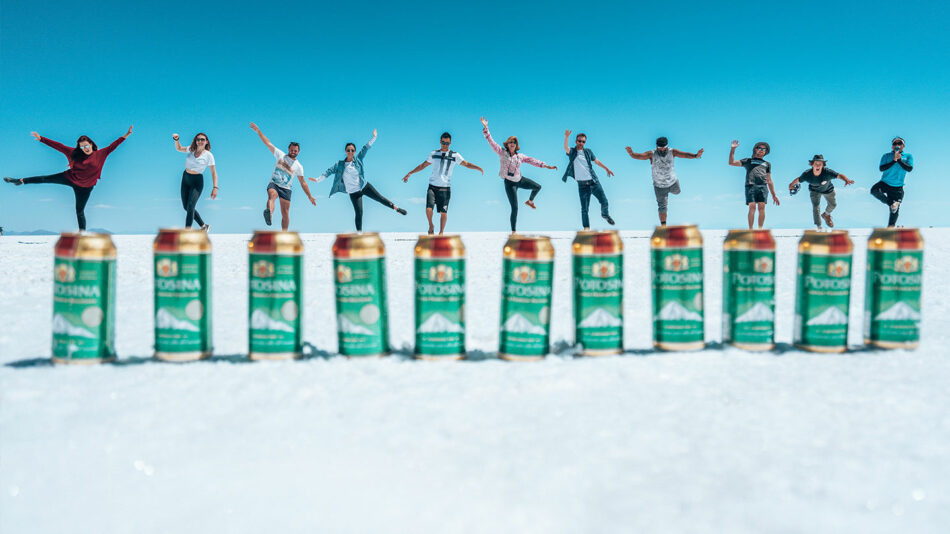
point(57, 146)
point(108, 150)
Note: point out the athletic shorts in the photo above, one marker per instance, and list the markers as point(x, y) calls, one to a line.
point(438, 197)
point(756, 193)
point(281, 192)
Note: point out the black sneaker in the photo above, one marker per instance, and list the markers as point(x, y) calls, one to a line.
point(401, 211)
point(267, 216)
point(610, 220)
point(205, 227)
point(14, 181)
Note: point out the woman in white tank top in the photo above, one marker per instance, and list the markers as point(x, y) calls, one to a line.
point(192, 179)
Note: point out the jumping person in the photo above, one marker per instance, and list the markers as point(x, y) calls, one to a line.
point(820, 184)
point(440, 182)
point(758, 179)
point(280, 184)
point(348, 177)
point(582, 170)
point(665, 181)
point(890, 189)
point(192, 178)
point(85, 169)
point(510, 172)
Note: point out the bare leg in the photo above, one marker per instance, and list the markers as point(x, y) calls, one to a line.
point(751, 214)
point(271, 197)
point(284, 214)
point(429, 217)
point(442, 220)
point(761, 206)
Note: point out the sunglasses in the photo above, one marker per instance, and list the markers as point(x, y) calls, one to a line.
point(201, 139)
point(898, 144)
point(760, 148)
point(446, 143)
point(350, 150)
point(580, 142)
point(85, 146)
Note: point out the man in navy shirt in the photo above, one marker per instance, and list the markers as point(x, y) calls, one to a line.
point(890, 190)
point(758, 179)
point(819, 179)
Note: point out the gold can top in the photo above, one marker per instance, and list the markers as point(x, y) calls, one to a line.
point(92, 246)
point(529, 247)
point(361, 245)
point(440, 246)
point(896, 239)
point(591, 243)
point(185, 240)
point(677, 236)
point(833, 242)
point(274, 242)
point(749, 240)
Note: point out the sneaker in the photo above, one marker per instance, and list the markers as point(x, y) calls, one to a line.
point(895, 206)
point(610, 220)
point(267, 216)
point(401, 211)
point(828, 221)
point(14, 181)
point(530, 204)
point(206, 227)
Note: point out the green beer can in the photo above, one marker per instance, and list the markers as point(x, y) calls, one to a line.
point(274, 296)
point(676, 259)
point(84, 299)
point(440, 297)
point(527, 282)
point(748, 289)
point(892, 310)
point(823, 291)
point(598, 292)
point(359, 266)
point(182, 295)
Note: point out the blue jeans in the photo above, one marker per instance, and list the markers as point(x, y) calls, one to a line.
point(585, 189)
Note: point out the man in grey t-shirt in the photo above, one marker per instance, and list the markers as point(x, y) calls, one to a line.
point(665, 181)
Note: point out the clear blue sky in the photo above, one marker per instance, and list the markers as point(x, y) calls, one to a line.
point(807, 77)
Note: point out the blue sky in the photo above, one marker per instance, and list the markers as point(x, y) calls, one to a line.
point(839, 79)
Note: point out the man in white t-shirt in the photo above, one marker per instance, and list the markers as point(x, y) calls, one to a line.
point(281, 182)
point(440, 182)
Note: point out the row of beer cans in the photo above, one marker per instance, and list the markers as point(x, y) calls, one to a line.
point(84, 293)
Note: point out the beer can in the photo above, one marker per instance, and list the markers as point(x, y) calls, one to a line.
point(84, 299)
point(748, 289)
point(892, 306)
point(182, 295)
point(527, 282)
point(440, 297)
point(676, 259)
point(359, 266)
point(823, 291)
point(598, 292)
point(275, 295)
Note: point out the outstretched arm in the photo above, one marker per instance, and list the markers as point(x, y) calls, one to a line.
point(55, 145)
point(487, 134)
point(567, 134)
point(844, 178)
point(640, 155)
point(732, 155)
point(306, 189)
point(472, 166)
point(263, 137)
point(367, 146)
point(795, 182)
point(687, 155)
point(537, 163)
point(178, 146)
point(108, 150)
point(609, 172)
point(328, 172)
point(418, 168)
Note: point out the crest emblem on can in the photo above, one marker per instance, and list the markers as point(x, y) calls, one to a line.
point(763, 264)
point(166, 268)
point(907, 264)
point(524, 275)
point(441, 273)
point(344, 274)
point(676, 262)
point(603, 269)
point(263, 269)
point(65, 273)
point(839, 269)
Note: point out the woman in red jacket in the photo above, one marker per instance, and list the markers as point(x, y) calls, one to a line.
point(85, 168)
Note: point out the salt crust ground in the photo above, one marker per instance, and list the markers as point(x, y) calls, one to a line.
point(716, 441)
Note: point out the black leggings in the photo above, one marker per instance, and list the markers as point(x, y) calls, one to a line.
point(357, 200)
point(191, 186)
point(888, 194)
point(511, 189)
point(81, 193)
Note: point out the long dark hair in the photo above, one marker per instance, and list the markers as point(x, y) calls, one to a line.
point(194, 143)
point(78, 154)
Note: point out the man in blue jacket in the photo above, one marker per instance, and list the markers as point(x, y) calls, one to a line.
point(580, 166)
point(890, 190)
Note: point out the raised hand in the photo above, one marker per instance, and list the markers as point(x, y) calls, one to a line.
point(128, 133)
point(405, 178)
point(735, 143)
point(175, 136)
point(374, 132)
point(484, 122)
point(255, 128)
point(629, 151)
point(567, 133)
point(35, 135)
point(699, 154)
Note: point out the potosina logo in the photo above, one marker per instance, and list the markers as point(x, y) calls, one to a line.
point(603, 269)
point(763, 265)
point(839, 269)
point(263, 269)
point(344, 274)
point(907, 264)
point(524, 275)
point(64, 273)
point(441, 273)
point(166, 268)
point(676, 262)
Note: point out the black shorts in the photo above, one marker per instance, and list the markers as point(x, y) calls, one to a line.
point(756, 193)
point(281, 192)
point(438, 197)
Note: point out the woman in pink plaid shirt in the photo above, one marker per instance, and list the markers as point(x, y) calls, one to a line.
point(510, 171)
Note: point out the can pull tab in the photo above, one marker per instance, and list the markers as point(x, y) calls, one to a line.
point(67, 245)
